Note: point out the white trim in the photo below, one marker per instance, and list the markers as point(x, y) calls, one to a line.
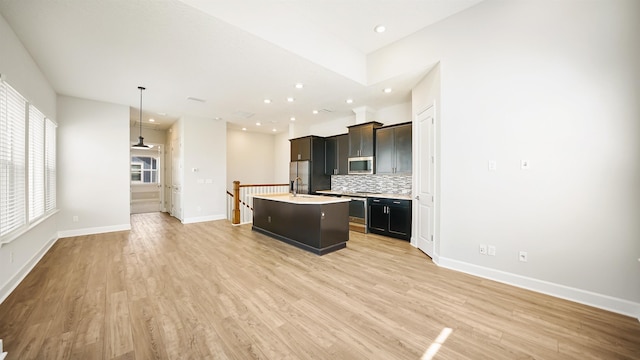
point(601, 301)
point(16, 279)
point(203, 219)
point(19, 232)
point(94, 230)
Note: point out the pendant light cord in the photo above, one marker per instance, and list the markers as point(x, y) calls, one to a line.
point(141, 88)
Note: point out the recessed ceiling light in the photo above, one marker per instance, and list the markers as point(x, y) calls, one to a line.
point(267, 101)
point(290, 99)
point(387, 90)
point(379, 28)
point(274, 130)
point(258, 124)
point(299, 86)
point(293, 118)
point(152, 120)
point(315, 112)
point(349, 101)
point(244, 129)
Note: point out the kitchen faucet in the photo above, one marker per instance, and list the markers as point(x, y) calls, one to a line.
point(295, 187)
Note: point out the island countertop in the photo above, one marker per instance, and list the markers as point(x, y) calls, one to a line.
point(301, 198)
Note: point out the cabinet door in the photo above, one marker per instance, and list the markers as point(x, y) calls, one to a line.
point(367, 141)
point(355, 141)
point(400, 220)
point(385, 154)
point(343, 154)
point(402, 145)
point(331, 156)
point(301, 149)
point(378, 218)
point(295, 149)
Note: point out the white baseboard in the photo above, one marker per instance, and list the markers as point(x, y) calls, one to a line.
point(203, 219)
point(2, 353)
point(604, 302)
point(94, 230)
point(16, 279)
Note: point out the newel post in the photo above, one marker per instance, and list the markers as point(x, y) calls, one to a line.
point(236, 202)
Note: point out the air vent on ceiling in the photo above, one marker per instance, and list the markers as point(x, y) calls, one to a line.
point(196, 99)
point(243, 114)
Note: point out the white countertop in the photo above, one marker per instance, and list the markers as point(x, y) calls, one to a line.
point(368, 195)
point(302, 198)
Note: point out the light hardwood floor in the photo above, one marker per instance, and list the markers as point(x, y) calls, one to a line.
point(213, 291)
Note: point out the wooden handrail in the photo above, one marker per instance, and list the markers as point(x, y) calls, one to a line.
point(257, 185)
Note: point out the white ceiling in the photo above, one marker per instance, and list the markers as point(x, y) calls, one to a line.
point(232, 54)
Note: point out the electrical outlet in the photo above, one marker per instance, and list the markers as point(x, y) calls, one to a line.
point(75, 218)
point(524, 164)
point(492, 250)
point(522, 256)
point(492, 165)
point(483, 249)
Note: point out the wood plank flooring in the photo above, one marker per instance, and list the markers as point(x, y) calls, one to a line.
point(213, 291)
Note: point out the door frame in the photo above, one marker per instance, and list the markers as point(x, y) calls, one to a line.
point(435, 178)
point(159, 155)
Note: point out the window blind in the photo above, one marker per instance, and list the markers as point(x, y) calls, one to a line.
point(12, 159)
point(50, 156)
point(36, 163)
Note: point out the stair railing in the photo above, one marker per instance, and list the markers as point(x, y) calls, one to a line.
point(240, 201)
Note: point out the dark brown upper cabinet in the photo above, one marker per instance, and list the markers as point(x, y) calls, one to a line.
point(362, 139)
point(393, 149)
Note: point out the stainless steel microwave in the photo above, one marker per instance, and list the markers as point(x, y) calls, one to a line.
point(360, 165)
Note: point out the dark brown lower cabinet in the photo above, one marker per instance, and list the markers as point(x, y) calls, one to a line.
point(390, 217)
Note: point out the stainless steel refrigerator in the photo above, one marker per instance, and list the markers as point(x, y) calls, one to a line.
point(300, 176)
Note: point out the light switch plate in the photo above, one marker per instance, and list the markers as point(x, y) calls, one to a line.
point(492, 165)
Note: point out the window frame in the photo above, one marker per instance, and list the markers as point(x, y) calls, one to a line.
point(17, 172)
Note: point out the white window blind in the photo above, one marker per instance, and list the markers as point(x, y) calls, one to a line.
point(12, 159)
point(36, 163)
point(50, 158)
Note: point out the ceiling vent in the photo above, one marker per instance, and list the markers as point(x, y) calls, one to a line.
point(196, 99)
point(243, 114)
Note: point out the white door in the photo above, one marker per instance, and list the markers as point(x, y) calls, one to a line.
point(425, 180)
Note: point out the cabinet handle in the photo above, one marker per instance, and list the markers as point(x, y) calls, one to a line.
point(396, 202)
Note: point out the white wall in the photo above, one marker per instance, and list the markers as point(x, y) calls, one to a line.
point(93, 166)
point(21, 72)
point(204, 143)
point(250, 158)
point(151, 136)
point(282, 157)
point(555, 83)
point(396, 114)
point(390, 115)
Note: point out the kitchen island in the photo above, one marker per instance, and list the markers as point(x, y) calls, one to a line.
point(318, 224)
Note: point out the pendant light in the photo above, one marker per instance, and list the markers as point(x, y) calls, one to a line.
point(140, 144)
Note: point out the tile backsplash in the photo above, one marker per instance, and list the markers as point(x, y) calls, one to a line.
point(388, 184)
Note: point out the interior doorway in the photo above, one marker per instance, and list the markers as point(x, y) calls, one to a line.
point(146, 180)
